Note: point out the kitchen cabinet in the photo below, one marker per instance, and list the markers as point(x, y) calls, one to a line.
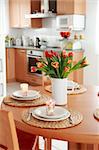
point(20, 65)
point(77, 75)
point(71, 7)
point(36, 7)
point(10, 65)
point(17, 11)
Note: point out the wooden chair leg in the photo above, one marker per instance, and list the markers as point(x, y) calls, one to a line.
point(47, 144)
point(36, 144)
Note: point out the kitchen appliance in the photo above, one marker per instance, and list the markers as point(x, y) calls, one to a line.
point(38, 42)
point(25, 40)
point(46, 10)
point(76, 22)
point(32, 59)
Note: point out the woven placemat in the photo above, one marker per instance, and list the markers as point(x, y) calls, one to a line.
point(82, 89)
point(96, 113)
point(77, 118)
point(15, 103)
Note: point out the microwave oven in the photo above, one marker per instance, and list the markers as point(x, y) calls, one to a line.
point(76, 22)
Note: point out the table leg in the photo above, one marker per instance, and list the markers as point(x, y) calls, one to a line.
point(96, 147)
point(47, 144)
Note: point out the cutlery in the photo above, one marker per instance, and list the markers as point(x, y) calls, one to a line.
point(70, 120)
point(29, 115)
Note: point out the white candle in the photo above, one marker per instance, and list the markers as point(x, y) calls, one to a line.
point(24, 88)
point(50, 105)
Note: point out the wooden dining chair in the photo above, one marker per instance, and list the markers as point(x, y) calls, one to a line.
point(8, 135)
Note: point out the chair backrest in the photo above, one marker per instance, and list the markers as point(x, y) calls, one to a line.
point(8, 136)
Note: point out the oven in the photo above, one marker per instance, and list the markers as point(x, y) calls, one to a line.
point(32, 59)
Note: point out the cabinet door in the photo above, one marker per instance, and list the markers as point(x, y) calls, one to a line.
point(14, 13)
point(10, 65)
point(17, 11)
point(71, 7)
point(25, 8)
point(36, 6)
point(77, 75)
point(20, 65)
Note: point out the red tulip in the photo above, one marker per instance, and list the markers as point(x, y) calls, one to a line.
point(40, 65)
point(55, 65)
point(33, 69)
point(64, 55)
point(66, 69)
point(70, 54)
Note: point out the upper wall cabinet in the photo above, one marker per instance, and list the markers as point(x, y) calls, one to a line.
point(17, 11)
point(36, 7)
point(71, 7)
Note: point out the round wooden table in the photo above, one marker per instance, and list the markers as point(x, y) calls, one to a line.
point(81, 137)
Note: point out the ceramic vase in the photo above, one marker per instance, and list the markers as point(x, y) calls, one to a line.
point(59, 90)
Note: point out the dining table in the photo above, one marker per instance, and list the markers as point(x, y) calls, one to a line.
point(84, 136)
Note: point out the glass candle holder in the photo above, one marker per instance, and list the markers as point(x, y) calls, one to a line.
point(50, 105)
point(24, 88)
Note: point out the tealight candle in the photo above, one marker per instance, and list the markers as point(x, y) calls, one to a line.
point(24, 88)
point(50, 107)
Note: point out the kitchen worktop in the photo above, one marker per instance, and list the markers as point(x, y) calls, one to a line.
point(38, 49)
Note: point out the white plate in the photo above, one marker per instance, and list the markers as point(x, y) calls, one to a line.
point(30, 94)
point(72, 84)
point(59, 112)
point(50, 119)
point(25, 98)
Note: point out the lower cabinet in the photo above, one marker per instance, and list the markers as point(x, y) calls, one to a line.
point(77, 76)
point(21, 69)
point(10, 65)
point(20, 65)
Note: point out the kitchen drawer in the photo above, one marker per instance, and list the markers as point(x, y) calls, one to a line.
point(1, 67)
point(1, 89)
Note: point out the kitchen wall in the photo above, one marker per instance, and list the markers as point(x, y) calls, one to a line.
point(91, 72)
point(3, 32)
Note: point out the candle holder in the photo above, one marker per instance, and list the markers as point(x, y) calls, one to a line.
point(50, 105)
point(24, 88)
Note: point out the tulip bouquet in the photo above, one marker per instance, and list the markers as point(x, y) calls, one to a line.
point(58, 64)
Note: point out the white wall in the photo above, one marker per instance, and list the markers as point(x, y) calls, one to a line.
point(3, 32)
point(90, 74)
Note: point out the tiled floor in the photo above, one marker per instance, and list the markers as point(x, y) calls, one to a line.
point(56, 144)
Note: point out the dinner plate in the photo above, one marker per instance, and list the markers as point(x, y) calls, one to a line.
point(30, 94)
point(25, 98)
point(72, 84)
point(49, 119)
point(59, 112)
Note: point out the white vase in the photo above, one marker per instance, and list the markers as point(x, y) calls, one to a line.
point(59, 90)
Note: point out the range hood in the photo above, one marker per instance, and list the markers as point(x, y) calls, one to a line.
point(45, 13)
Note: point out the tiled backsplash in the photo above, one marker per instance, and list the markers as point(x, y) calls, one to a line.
point(51, 35)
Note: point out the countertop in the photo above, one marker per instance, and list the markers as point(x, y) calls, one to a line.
point(39, 49)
